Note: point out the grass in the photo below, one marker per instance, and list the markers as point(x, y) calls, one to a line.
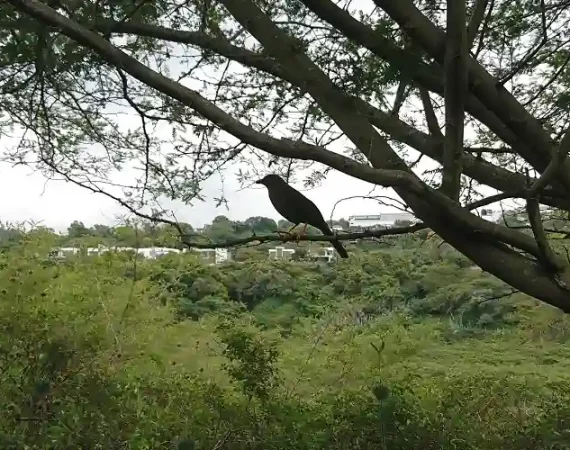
point(129, 375)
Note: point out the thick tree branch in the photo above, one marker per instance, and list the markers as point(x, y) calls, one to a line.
point(431, 118)
point(429, 77)
point(455, 92)
point(482, 171)
point(477, 16)
point(494, 96)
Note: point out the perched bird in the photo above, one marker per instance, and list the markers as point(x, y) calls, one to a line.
point(297, 208)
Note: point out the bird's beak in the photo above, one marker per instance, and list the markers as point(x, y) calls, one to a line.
point(258, 182)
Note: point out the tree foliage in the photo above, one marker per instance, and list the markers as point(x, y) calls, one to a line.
point(307, 84)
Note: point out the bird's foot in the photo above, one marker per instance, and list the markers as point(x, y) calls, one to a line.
point(298, 237)
point(289, 234)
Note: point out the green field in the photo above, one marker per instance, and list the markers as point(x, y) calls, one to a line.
point(115, 352)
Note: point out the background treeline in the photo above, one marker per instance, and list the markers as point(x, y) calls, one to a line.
point(149, 234)
point(406, 345)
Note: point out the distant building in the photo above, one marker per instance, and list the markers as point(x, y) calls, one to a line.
point(327, 254)
point(214, 255)
point(379, 220)
point(147, 252)
point(492, 215)
point(281, 252)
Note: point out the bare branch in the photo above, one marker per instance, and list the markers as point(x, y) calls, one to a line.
point(429, 112)
point(401, 94)
point(287, 237)
point(455, 93)
point(547, 257)
point(477, 17)
point(555, 165)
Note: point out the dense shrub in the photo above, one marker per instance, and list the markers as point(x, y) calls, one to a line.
point(94, 354)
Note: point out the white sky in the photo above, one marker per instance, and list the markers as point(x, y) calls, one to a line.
point(29, 196)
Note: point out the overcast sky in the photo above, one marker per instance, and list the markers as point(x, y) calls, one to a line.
point(27, 196)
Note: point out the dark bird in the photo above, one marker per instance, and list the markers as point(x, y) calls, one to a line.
point(297, 208)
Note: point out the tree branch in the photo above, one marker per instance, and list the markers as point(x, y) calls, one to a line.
point(455, 78)
point(477, 17)
point(484, 172)
point(428, 76)
point(278, 147)
point(556, 163)
point(287, 237)
point(431, 118)
point(494, 96)
point(547, 256)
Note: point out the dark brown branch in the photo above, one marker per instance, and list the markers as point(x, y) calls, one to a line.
point(455, 91)
point(482, 84)
point(477, 17)
point(558, 159)
point(431, 118)
point(287, 237)
point(547, 257)
point(401, 94)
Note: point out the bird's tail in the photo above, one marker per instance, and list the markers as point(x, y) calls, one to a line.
point(336, 244)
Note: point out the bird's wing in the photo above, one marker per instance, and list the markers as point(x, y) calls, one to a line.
point(307, 210)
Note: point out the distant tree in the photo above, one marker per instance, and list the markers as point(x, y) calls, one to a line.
point(77, 230)
point(261, 224)
point(103, 231)
point(221, 228)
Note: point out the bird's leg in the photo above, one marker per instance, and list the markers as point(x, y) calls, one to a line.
point(289, 231)
point(301, 233)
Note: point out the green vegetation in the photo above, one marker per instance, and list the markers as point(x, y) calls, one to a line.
point(404, 346)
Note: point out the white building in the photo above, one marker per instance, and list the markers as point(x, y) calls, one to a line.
point(216, 255)
point(327, 254)
point(379, 220)
point(490, 214)
point(281, 252)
